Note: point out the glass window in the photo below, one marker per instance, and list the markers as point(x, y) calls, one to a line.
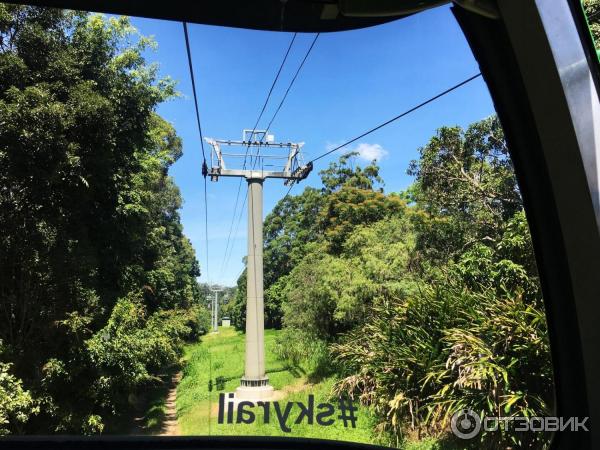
point(355, 264)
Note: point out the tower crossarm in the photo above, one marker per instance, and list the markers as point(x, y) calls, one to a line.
point(292, 157)
point(292, 171)
point(217, 153)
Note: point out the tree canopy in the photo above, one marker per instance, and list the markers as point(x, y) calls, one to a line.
point(421, 302)
point(92, 249)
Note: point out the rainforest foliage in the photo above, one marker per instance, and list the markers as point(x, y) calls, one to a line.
point(97, 281)
point(421, 302)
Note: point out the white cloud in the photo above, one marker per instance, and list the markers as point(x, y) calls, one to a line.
point(369, 152)
point(366, 152)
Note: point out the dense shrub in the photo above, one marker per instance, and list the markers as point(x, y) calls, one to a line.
point(133, 348)
point(16, 404)
point(428, 301)
point(298, 347)
point(420, 360)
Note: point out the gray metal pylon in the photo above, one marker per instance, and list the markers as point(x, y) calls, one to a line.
point(254, 385)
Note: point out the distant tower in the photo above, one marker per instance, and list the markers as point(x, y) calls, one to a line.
point(215, 309)
point(255, 384)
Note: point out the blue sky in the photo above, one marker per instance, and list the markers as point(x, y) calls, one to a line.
point(351, 82)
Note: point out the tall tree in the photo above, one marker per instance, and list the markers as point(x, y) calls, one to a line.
point(88, 211)
point(297, 221)
point(465, 187)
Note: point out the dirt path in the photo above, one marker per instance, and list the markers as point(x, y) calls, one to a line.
point(170, 427)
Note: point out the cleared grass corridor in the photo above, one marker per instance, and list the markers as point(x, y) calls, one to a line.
point(215, 365)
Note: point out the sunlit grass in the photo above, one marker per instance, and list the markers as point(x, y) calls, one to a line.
point(222, 355)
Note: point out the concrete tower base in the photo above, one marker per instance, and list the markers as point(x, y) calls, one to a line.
point(254, 393)
point(253, 389)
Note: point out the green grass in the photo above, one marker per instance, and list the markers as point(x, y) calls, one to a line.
point(222, 355)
